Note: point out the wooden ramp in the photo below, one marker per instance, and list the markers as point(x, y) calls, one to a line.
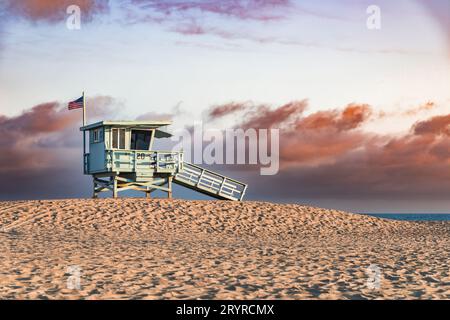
point(210, 183)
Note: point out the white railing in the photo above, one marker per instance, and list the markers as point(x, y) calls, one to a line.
point(215, 184)
point(187, 174)
point(151, 161)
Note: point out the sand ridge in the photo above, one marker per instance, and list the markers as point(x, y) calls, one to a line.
point(177, 249)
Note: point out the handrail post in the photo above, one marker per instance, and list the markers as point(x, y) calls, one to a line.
point(157, 161)
point(243, 193)
point(200, 177)
point(222, 185)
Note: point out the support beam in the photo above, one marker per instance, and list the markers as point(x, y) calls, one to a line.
point(104, 184)
point(117, 183)
point(114, 186)
point(169, 186)
point(94, 195)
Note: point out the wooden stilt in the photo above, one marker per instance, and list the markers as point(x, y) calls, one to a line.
point(169, 186)
point(114, 186)
point(94, 194)
point(116, 183)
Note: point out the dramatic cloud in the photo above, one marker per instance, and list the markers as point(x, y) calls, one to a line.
point(318, 136)
point(51, 10)
point(435, 126)
point(201, 17)
point(259, 116)
point(328, 154)
point(323, 155)
point(44, 143)
point(264, 117)
point(223, 110)
point(206, 17)
point(324, 135)
point(193, 17)
point(20, 136)
point(241, 9)
point(150, 10)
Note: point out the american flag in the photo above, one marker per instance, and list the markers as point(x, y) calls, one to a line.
point(76, 104)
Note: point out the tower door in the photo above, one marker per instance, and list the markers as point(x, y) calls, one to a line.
point(141, 139)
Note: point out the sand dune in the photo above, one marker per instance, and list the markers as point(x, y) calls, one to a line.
point(177, 249)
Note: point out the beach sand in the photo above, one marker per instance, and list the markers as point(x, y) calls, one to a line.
point(178, 249)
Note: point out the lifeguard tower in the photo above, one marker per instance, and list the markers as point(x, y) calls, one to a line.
point(121, 157)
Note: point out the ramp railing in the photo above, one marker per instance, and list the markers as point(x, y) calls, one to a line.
point(210, 183)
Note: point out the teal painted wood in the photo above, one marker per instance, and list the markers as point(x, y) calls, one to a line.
point(97, 157)
point(103, 158)
point(134, 161)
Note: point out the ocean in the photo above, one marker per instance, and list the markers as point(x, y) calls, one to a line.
point(413, 216)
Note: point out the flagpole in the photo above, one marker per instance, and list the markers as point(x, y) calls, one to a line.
point(84, 110)
point(84, 134)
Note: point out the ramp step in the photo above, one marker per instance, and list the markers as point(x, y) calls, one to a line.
point(210, 183)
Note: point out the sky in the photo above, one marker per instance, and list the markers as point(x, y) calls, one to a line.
point(363, 113)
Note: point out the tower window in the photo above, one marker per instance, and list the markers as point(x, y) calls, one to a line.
point(118, 138)
point(140, 139)
point(96, 135)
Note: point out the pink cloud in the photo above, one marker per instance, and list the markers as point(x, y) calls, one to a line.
point(51, 10)
point(241, 9)
point(328, 154)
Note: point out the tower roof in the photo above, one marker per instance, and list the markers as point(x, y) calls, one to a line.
point(127, 124)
